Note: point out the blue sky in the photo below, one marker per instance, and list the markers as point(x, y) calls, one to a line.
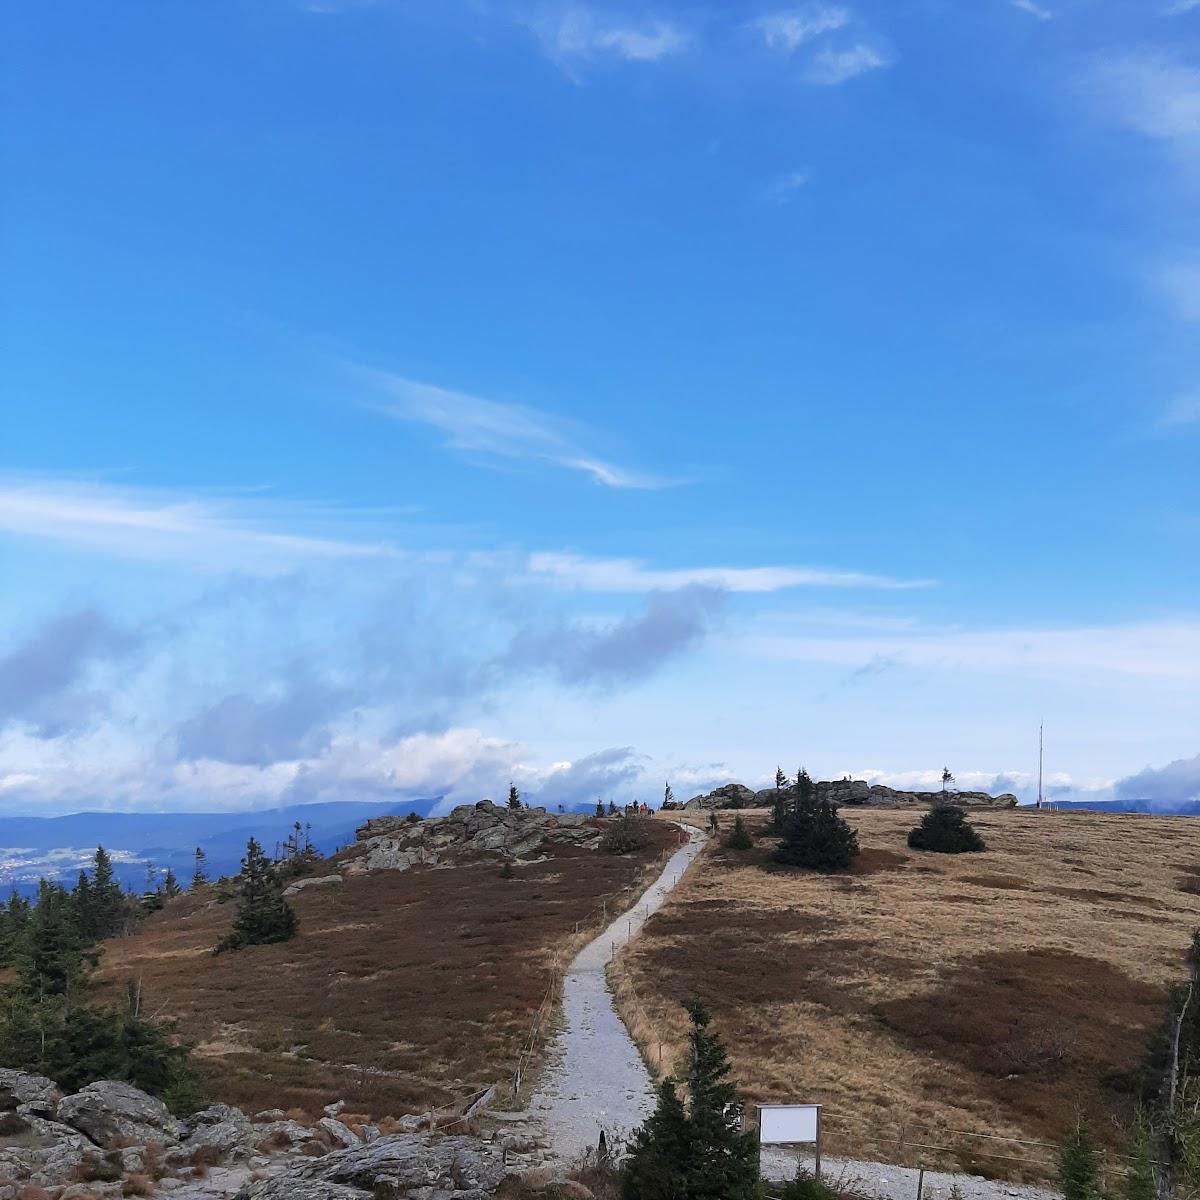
point(406, 396)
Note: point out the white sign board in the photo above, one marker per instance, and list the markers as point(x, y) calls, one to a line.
point(788, 1124)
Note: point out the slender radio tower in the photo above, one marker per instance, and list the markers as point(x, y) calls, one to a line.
point(1041, 731)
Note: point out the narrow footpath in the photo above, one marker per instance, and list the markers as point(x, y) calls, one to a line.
point(595, 1079)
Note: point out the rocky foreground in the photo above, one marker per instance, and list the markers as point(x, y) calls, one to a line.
point(850, 792)
point(110, 1139)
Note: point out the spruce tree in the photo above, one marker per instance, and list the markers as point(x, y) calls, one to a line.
point(199, 872)
point(739, 838)
point(659, 1152)
point(50, 961)
point(668, 798)
point(1139, 1182)
point(514, 797)
point(722, 1161)
point(814, 835)
point(108, 904)
point(599, 808)
point(945, 829)
point(1079, 1164)
point(263, 915)
point(171, 887)
point(779, 806)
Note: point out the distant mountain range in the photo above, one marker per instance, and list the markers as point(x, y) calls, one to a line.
point(1157, 808)
point(32, 848)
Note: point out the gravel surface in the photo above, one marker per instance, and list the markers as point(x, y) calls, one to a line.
point(896, 1183)
point(595, 1078)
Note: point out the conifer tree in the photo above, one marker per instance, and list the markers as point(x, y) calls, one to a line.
point(659, 1151)
point(199, 871)
point(814, 835)
point(1139, 1182)
point(514, 797)
point(722, 1160)
point(50, 961)
point(668, 797)
point(945, 830)
point(108, 904)
point(699, 1153)
point(170, 885)
point(263, 915)
point(1079, 1164)
point(779, 806)
point(599, 808)
point(739, 838)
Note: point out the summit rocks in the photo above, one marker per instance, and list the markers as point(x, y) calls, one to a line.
point(396, 843)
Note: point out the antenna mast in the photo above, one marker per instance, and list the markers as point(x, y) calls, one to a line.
point(1041, 730)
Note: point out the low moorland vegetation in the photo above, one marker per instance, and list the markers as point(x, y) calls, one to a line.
point(923, 997)
point(401, 991)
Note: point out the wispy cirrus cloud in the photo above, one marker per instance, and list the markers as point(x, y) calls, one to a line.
point(786, 186)
point(474, 424)
point(792, 28)
point(1033, 9)
point(202, 531)
point(574, 33)
point(1150, 92)
point(831, 67)
point(1183, 412)
point(630, 575)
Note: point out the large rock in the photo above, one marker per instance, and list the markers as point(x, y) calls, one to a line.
point(396, 1167)
point(113, 1113)
point(396, 844)
point(728, 795)
point(315, 881)
point(34, 1094)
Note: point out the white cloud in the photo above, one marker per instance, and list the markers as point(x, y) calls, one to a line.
point(1179, 282)
point(1150, 93)
point(792, 28)
point(830, 67)
point(629, 575)
point(577, 32)
point(1180, 7)
point(1164, 651)
point(786, 186)
point(199, 531)
point(1181, 412)
point(1033, 9)
point(474, 424)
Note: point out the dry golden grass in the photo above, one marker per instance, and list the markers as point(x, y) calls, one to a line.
point(922, 994)
point(403, 991)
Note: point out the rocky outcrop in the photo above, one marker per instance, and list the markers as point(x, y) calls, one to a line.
point(849, 792)
point(396, 843)
point(398, 1167)
point(33, 1094)
point(115, 1137)
point(313, 882)
point(114, 1114)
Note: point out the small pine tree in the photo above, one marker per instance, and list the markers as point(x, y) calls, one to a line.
point(109, 906)
point(612, 808)
point(659, 1151)
point(945, 829)
point(722, 1161)
point(814, 835)
point(263, 915)
point(739, 837)
point(599, 808)
point(668, 798)
point(514, 797)
point(506, 871)
point(780, 779)
point(1079, 1164)
point(199, 870)
point(171, 887)
point(1139, 1182)
point(947, 780)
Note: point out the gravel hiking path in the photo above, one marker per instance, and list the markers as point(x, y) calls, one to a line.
point(594, 1078)
point(897, 1183)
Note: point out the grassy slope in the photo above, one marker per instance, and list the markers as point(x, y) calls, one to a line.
point(988, 993)
point(429, 976)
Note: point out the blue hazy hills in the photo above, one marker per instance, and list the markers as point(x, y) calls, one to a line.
point(57, 847)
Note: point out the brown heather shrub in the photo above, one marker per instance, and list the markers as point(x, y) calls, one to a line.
point(388, 970)
point(932, 997)
point(31, 1191)
point(204, 1158)
point(137, 1185)
point(314, 1149)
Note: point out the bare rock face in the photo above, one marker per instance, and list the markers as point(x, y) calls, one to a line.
point(396, 1167)
point(32, 1094)
point(112, 1114)
point(729, 795)
point(315, 882)
point(396, 844)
